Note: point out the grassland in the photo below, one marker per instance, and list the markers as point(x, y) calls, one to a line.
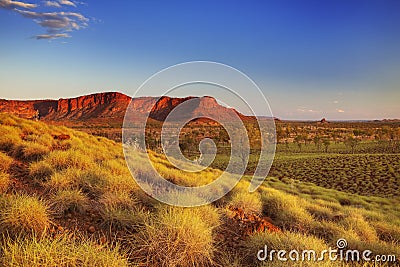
point(72, 202)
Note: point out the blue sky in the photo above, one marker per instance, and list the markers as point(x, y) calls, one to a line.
point(312, 59)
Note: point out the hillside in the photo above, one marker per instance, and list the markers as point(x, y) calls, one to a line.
point(68, 199)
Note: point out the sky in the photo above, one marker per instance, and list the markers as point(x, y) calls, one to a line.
point(311, 59)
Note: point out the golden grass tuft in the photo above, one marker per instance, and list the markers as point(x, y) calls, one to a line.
point(30, 151)
point(5, 162)
point(64, 201)
point(40, 170)
point(62, 252)
point(4, 182)
point(176, 237)
point(61, 160)
point(286, 210)
point(248, 202)
point(24, 215)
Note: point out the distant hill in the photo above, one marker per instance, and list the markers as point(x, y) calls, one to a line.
point(110, 107)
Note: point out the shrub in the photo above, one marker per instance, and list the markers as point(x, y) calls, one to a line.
point(61, 252)
point(4, 182)
point(176, 237)
point(24, 215)
point(64, 201)
point(5, 162)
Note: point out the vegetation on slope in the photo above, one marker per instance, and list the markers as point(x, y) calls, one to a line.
point(68, 199)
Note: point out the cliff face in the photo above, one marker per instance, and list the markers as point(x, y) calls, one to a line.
point(107, 107)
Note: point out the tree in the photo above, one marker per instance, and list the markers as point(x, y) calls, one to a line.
point(317, 142)
point(352, 143)
point(326, 144)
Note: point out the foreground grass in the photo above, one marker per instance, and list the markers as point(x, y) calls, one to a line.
point(84, 181)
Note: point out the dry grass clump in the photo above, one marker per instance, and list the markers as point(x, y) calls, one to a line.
point(70, 158)
point(248, 202)
point(9, 137)
point(286, 210)
point(5, 162)
point(4, 182)
point(283, 241)
point(40, 170)
point(176, 237)
point(120, 210)
point(24, 215)
point(30, 151)
point(355, 221)
point(63, 252)
point(388, 232)
point(66, 179)
point(64, 201)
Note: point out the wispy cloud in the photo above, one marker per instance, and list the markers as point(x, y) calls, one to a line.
point(335, 102)
point(308, 110)
point(52, 36)
point(57, 24)
point(67, 3)
point(340, 110)
point(51, 4)
point(8, 4)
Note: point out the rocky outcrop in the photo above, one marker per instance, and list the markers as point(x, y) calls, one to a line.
point(111, 107)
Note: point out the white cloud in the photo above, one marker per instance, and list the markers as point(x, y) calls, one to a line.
point(335, 102)
point(340, 110)
point(9, 4)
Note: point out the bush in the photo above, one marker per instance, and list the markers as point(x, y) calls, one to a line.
point(30, 151)
point(4, 182)
point(24, 215)
point(5, 162)
point(176, 237)
point(64, 201)
point(63, 252)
